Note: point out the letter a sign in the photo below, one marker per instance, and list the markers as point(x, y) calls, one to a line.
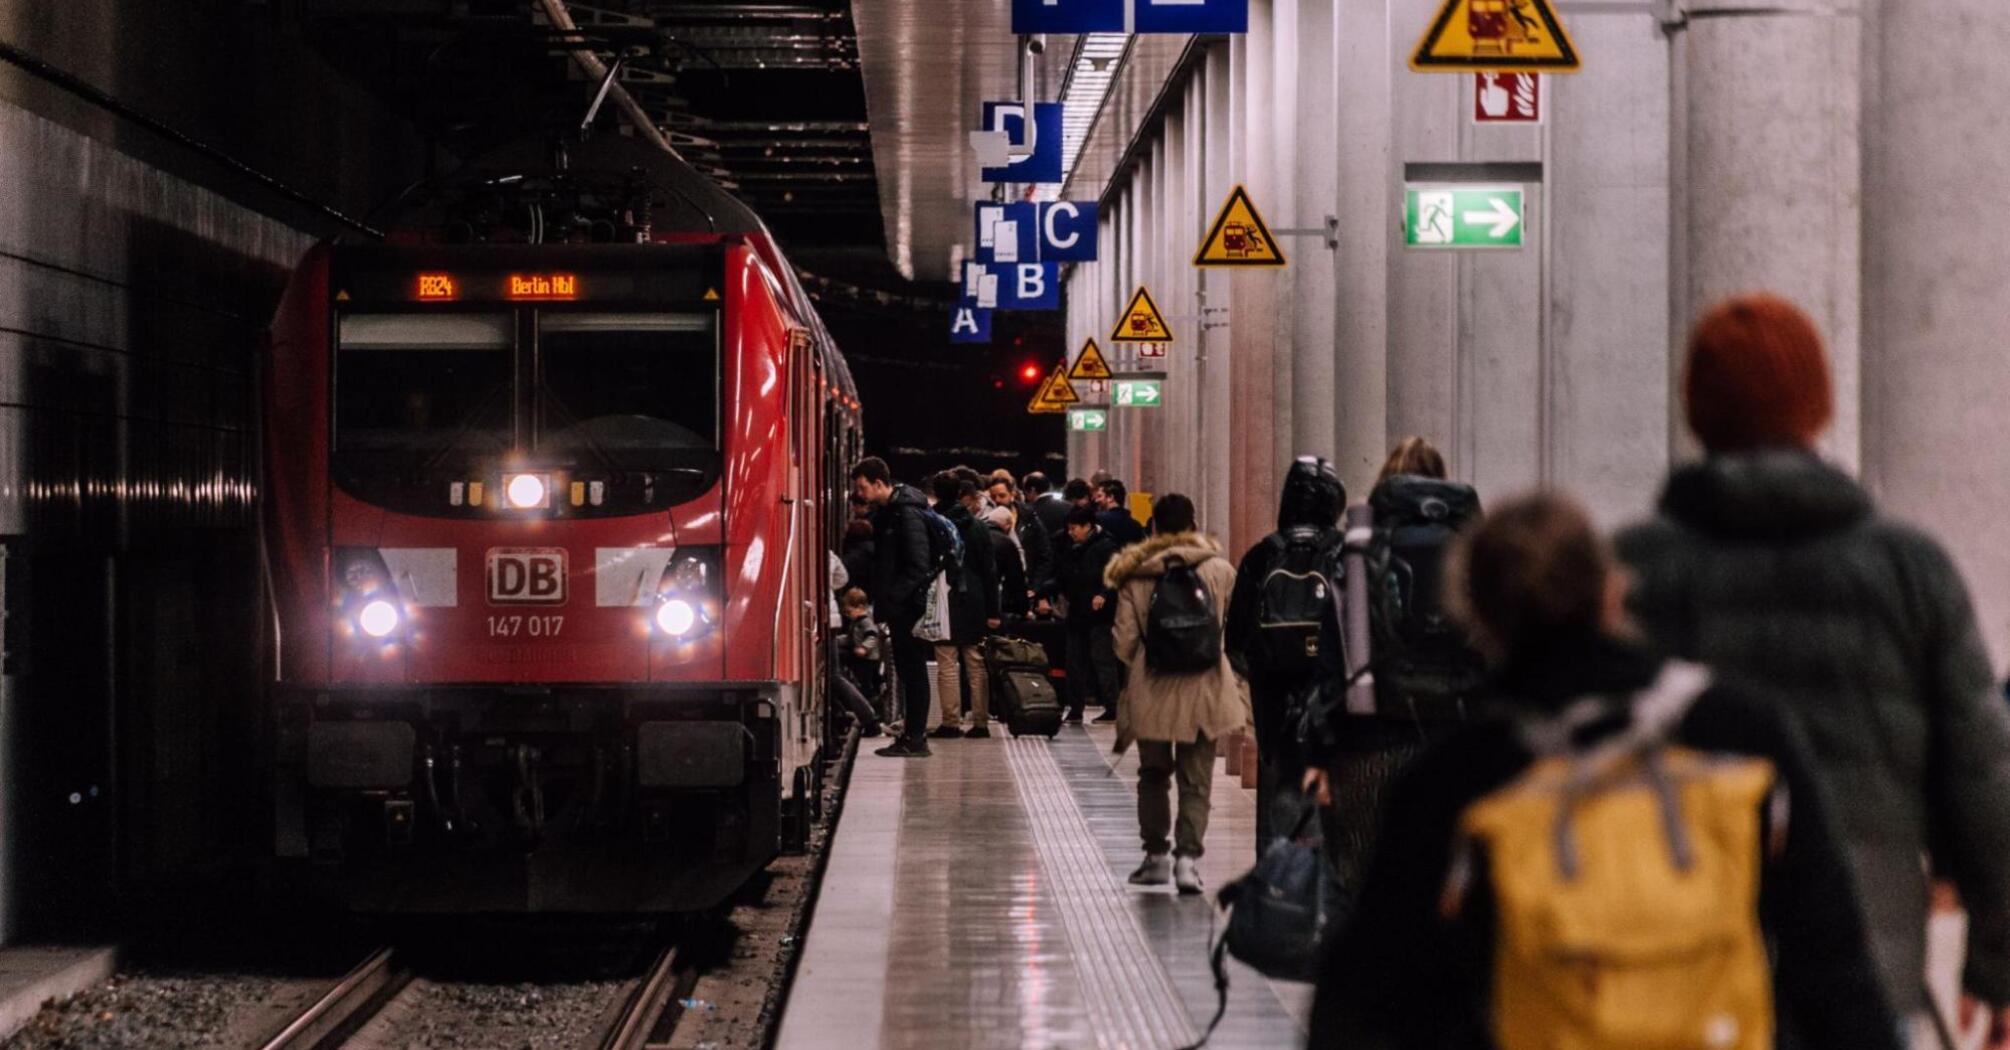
point(1495, 36)
point(1239, 237)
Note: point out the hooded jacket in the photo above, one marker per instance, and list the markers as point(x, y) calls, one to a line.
point(1773, 568)
point(1312, 502)
point(1176, 708)
point(1402, 975)
point(904, 566)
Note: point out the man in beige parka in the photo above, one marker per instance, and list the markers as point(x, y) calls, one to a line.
point(1175, 717)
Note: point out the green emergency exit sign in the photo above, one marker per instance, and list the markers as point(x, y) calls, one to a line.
point(1088, 419)
point(1462, 216)
point(1136, 393)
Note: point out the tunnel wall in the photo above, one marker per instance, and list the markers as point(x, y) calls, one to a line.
point(1807, 149)
point(137, 276)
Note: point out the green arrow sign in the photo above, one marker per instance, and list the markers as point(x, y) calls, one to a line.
point(1462, 216)
point(1088, 419)
point(1137, 393)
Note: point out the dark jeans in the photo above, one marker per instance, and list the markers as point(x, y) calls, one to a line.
point(1281, 766)
point(910, 665)
point(855, 702)
point(1092, 666)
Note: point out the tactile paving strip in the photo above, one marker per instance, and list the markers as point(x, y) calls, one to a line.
point(1132, 1003)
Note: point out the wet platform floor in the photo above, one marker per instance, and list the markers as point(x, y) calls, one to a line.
point(977, 898)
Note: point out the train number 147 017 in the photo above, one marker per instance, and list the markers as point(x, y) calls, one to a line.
point(525, 626)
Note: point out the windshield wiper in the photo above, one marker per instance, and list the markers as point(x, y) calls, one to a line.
point(577, 424)
point(481, 411)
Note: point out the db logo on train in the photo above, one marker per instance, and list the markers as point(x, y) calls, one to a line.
point(527, 576)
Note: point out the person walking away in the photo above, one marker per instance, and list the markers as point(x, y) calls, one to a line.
point(1091, 610)
point(973, 613)
point(1606, 858)
point(1425, 672)
point(1172, 600)
point(903, 573)
point(1775, 568)
point(1113, 505)
point(1283, 610)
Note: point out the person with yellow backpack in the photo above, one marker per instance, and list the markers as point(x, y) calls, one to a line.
point(1620, 854)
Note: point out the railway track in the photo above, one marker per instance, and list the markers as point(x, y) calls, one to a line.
point(356, 1012)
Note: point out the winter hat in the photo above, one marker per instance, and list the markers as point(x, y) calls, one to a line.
point(1757, 376)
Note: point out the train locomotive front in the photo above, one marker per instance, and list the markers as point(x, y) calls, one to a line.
point(551, 478)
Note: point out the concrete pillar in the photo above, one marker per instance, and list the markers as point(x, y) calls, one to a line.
point(1252, 334)
point(1767, 178)
point(1312, 279)
point(1214, 438)
point(1364, 169)
point(1937, 264)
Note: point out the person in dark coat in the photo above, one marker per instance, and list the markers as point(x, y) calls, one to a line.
point(1015, 591)
point(1092, 613)
point(1775, 568)
point(903, 570)
point(860, 554)
point(1414, 967)
point(1308, 516)
point(1114, 513)
point(1049, 507)
point(973, 612)
point(1030, 543)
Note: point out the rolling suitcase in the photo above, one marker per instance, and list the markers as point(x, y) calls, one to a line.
point(1020, 690)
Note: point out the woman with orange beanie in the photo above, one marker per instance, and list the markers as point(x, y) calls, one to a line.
point(1774, 567)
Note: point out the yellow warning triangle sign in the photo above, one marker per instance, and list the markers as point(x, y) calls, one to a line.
point(1239, 237)
point(1141, 322)
point(1056, 394)
point(711, 295)
point(1090, 363)
point(1495, 36)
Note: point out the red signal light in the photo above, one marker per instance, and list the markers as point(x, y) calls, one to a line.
point(1029, 373)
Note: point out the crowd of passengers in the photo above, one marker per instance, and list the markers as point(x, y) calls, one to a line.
point(1701, 784)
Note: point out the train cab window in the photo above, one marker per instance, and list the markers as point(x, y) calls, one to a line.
point(633, 391)
point(415, 385)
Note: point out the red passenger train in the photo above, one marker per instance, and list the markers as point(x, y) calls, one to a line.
point(551, 475)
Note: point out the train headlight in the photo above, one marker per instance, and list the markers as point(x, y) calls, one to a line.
point(526, 491)
point(688, 598)
point(676, 617)
point(378, 618)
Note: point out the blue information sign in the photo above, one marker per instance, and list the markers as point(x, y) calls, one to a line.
point(1192, 16)
point(1035, 142)
point(1058, 231)
point(1068, 16)
point(970, 324)
point(1028, 285)
point(1126, 16)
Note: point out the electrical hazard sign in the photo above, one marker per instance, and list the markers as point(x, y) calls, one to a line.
point(1495, 36)
point(1141, 321)
point(1239, 237)
point(1056, 394)
point(1090, 363)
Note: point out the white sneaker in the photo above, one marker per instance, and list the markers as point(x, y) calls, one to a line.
point(1186, 874)
point(1155, 871)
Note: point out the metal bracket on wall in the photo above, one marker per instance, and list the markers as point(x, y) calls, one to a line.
point(1330, 232)
point(1676, 14)
point(1209, 317)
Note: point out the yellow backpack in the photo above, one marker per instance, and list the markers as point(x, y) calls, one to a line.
point(1625, 877)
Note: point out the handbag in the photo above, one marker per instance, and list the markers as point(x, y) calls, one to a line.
point(934, 623)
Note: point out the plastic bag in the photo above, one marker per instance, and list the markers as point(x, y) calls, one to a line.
point(934, 623)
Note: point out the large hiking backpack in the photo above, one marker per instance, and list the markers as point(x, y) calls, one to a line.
point(1293, 602)
point(1423, 663)
point(1022, 694)
point(1624, 878)
point(1182, 634)
point(945, 546)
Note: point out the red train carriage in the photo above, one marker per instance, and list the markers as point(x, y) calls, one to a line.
point(551, 478)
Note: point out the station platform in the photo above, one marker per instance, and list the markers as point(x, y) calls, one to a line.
point(977, 898)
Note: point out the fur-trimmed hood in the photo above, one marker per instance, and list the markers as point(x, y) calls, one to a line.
point(1148, 559)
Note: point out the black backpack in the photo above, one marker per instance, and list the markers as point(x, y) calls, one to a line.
point(1420, 655)
point(945, 545)
point(1293, 602)
point(1182, 634)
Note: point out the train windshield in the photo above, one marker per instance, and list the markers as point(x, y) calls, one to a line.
point(629, 391)
point(428, 388)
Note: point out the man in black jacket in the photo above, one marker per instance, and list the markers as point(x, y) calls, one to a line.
point(904, 572)
point(1030, 540)
point(1308, 518)
point(1113, 503)
point(1092, 615)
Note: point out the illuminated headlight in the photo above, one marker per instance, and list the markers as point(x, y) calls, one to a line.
point(378, 618)
point(676, 617)
point(526, 491)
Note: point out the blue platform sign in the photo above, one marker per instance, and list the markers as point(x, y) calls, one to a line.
point(1130, 16)
point(1054, 232)
point(1035, 142)
point(1012, 286)
point(1069, 16)
point(969, 324)
point(1192, 16)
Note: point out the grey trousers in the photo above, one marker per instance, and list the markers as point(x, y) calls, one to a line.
point(1159, 765)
